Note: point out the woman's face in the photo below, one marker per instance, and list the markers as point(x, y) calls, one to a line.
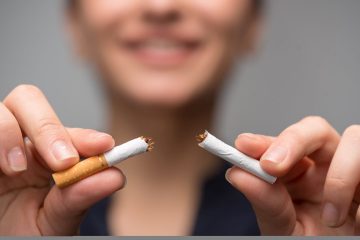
point(161, 52)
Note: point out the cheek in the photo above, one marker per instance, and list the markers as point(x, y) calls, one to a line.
point(225, 14)
point(99, 14)
point(219, 18)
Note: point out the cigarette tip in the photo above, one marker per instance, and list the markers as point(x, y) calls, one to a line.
point(201, 137)
point(150, 143)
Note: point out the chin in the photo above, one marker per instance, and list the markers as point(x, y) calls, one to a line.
point(163, 90)
point(171, 97)
point(168, 99)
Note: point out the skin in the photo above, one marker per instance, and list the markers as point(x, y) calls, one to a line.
point(180, 76)
point(30, 206)
point(319, 168)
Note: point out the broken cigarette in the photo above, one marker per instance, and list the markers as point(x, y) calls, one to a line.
point(232, 155)
point(92, 165)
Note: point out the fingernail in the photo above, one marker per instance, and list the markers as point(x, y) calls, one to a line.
point(63, 151)
point(16, 159)
point(330, 215)
point(248, 135)
point(276, 154)
point(99, 135)
point(227, 175)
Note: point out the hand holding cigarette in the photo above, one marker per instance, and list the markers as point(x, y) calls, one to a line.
point(29, 204)
point(232, 155)
point(92, 165)
point(318, 192)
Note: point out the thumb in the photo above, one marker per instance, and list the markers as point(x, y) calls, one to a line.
point(64, 209)
point(272, 204)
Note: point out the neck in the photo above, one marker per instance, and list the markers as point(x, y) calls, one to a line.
point(176, 153)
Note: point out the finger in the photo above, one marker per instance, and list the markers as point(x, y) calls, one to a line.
point(272, 204)
point(312, 135)
point(342, 178)
point(12, 156)
point(40, 123)
point(90, 142)
point(255, 145)
point(64, 209)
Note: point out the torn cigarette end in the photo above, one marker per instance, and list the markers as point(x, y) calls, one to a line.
point(92, 165)
point(201, 137)
point(150, 143)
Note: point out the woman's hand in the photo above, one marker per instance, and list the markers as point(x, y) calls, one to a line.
point(317, 192)
point(29, 205)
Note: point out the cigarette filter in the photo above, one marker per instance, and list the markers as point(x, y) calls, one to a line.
point(232, 155)
point(92, 165)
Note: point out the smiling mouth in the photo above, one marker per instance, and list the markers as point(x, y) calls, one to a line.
point(162, 51)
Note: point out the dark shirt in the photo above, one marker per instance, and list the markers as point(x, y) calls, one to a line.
point(223, 211)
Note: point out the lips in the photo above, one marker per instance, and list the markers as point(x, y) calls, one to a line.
point(161, 51)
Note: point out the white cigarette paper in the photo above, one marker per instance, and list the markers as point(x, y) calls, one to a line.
point(126, 150)
point(235, 157)
point(92, 165)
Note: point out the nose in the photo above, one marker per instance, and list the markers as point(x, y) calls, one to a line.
point(161, 11)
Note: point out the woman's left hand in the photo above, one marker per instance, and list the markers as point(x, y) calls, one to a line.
point(318, 189)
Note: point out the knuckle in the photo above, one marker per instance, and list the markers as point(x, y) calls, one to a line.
point(353, 131)
point(293, 134)
point(318, 120)
point(48, 126)
point(320, 125)
point(26, 89)
point(334, 182)
point(21, 91)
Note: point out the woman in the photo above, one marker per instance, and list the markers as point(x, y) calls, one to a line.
point(162, 63)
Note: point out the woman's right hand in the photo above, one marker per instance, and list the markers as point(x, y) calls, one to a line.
point(318, 186)
point(33, 144)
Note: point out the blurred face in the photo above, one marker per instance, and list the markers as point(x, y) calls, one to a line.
point(161, 52)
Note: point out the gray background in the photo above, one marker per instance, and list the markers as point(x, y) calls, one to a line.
point(308, 64)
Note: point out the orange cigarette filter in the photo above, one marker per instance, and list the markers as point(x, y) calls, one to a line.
point(92, 165)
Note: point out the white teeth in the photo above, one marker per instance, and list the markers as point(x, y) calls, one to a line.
point(161, 44)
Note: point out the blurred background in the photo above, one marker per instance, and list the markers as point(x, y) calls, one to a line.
point(308, 64)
